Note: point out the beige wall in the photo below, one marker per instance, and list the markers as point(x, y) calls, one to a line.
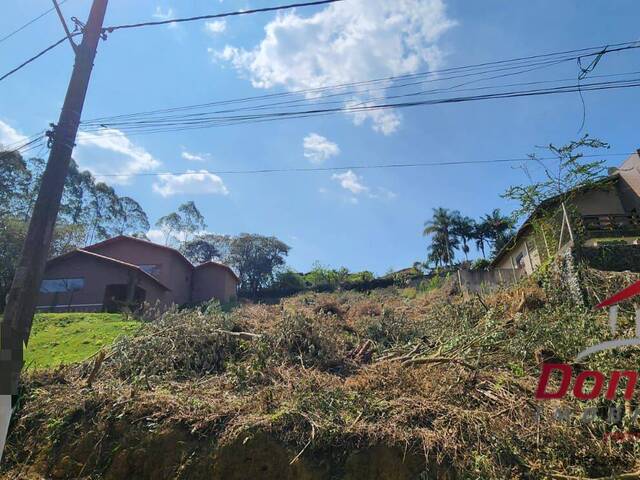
point(174, 272)
point(213, 281)
point(525, 246)
point(629, 184)
point(599, 202)
point(97, 274)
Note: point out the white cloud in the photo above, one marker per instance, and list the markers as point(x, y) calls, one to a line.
point(383, 193)
point(318, 148)
point(191, 182)
point(163, 15)
point(9, 136)
point(194, 157)
point(350, 181)
point(109, 151)
point(347, 42)
point(215, 27)
point(355, 185)
point(156, 236)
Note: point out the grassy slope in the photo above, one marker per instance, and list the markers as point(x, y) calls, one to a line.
point(62, 338)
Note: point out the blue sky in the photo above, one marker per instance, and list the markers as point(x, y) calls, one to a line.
point(369, 219)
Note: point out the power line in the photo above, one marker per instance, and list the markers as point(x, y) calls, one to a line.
point(26, 146)
point(19, 29)
point(164, 22)
point(36, 56)
point(348, 167)
point(96, 125)
point(217, 121)
point(317, 91)
point(219, 15)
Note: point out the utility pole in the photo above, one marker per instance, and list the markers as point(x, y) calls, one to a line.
point(18, 315)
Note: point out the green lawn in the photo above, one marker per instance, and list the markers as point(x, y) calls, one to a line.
point(61, 338)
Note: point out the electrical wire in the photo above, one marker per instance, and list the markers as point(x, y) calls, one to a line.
point(26, 146)
point(19, 29)
point(187, 117)
point(150, 126)
point(348, 167)
point(36, 56)
point(474, 69)
point(163, 22)
point(219, 15)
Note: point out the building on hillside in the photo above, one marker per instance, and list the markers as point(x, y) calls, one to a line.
point(128, 271)
point(606, 213)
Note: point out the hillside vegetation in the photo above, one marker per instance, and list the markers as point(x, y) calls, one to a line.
point(344, 385)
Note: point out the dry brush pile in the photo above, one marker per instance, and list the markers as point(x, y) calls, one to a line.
point(442, 378)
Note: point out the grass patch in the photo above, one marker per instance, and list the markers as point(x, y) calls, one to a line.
point(63, 338)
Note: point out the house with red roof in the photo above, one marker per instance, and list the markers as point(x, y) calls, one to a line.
point(129, 271)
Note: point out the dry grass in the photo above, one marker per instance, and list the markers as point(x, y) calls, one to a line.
point(439, 376)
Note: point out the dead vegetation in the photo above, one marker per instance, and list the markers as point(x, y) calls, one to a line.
point(446, 381)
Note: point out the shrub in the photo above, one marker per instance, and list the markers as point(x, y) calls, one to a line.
point(289, 280)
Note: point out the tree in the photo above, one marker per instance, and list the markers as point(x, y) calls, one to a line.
point(133, 218)
point(481, 235)
point(199, 250)
point(192, 221)
point(104, 212)
point(443, 240)
point(13, 175)
point(568, 171)
point(463, 229)
point(499, 228)
point(257, 259)
point(169, 225)
point(179, 227)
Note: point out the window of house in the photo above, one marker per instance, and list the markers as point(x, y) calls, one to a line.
point(520, 260)
point(60, 285)
point(151, 269)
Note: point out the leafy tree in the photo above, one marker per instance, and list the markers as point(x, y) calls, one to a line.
point(192, 221)
point(443, 239)
point(170, 226)
point(12, 234)
point(289, 280)
point(481, 235)
point(257, 259)
point(568, 170)
point(464, 229)
point(200, 250)
point(77, 195)
point(500, 228)
point(13, 173)
point(104, 213)
point(440, 251)
point(179, 227)
point(133, 218)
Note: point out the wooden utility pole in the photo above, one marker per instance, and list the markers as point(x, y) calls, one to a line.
point(18, 315)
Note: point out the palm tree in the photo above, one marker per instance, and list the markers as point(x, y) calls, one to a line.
point(441, 228)
point(464, 228)
point(481, 236)
point(499, 228)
